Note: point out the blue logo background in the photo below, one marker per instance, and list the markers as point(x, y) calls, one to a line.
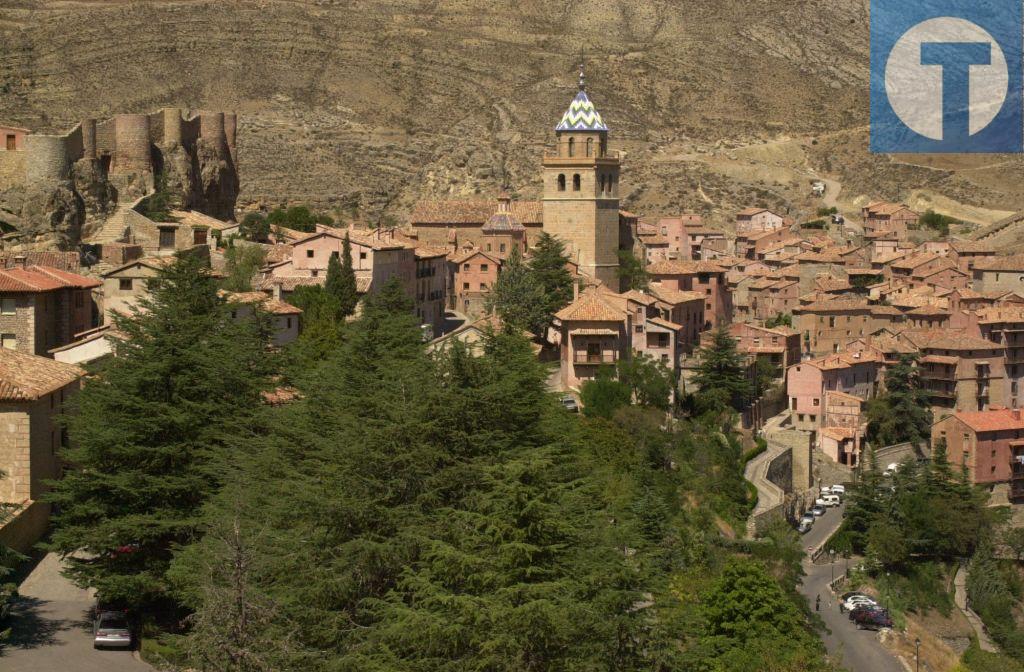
point(891, 19)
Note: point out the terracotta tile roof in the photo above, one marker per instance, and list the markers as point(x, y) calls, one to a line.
point(469, 254)
point(940, 359)
point(278, 253)
point(843, 360)
point(946, 339)
point(674, 267)
point(830, 284)
point(43, 279)
point(912, 261)
point(290, 282)
point(928, 310)
point(65, 261)
point(838, 433)
point(193, 218)
point(639, 297)
point(1000, 315)
point(836, 394)
point(1012, 263)
point(424, 252)
point(271, 305)
point(836, 306)
point(823, 257)
point(886, 310)
point(992, 420)
point(750, 212)
point(25, 377)
point(472, 212)
point(675, 297)
point(885, 208)
point(972, 246)
point(590, 307)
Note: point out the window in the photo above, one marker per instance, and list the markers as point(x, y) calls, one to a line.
point(234, 314)
point(9, 341)
point(362, 256)
point(832, 321)
point(288, 323)
point(590, 146)
point(576, 182)
point(816, 402)
point(484, 268)
point(792, 403)
point(315, 273)
point(488, 247)
point(465, 286)
point(8, 305)
point(800, 417)
point(199, 236)
point(561, 182)
point(502, 247)
point(336, 254)
point(465, 267)
point(572, 146)
point(166, 238)
point(125, 284)
point(309, 254)
point(483, 286)
point(12, 143)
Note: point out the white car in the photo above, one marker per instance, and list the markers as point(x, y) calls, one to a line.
point(891, 469)
point(838, 490)
point(832, 500)
point(808, 518)
point(858, 601)
point(820, 501)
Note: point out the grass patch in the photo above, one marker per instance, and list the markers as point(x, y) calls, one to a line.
point(976, 660)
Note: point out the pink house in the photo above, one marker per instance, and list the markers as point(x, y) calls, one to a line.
point(594, 334)
point(853, 373)
point(702, 277)
point(843, 429)
point(474, 274)
point(12, 138)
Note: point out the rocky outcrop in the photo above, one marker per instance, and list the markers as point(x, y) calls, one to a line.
point(48, 215)
point(99, 197)
point(217, 181)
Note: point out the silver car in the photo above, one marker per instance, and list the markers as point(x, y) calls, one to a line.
point(110, 629)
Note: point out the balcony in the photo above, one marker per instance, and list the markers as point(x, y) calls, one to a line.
point(603, 358)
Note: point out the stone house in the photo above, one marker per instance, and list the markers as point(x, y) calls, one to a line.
point(42, 307)
point(474, 274)
point(989, 444)
point(436, 222)
point(675, 232)
point(431, 287)
point(756, 220)
point(286, 319)
point(685, 309)
point(594, 333)
point(960, 372)
point(125, 285)
point(703, 277)
point(780, 346)
point(843, 428)
point(32, 393)
point(999, 274)
point(966, 253)
point(892, 217)
point(830, 326)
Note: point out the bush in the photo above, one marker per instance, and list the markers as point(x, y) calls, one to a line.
point(936, 222)
point(815, 224)
point(976, 660)
point(162, 650)
point(761, 446)
point(826, 212)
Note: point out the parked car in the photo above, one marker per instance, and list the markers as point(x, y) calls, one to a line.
point(110, 628)
point(857, 601)
point(804, 527)
point(891, 469)
point(862, 608)
point(838, 490)
point(808, 517)
point(569, 403)
point(873, 619)
point(832, 500)
point(818, 510)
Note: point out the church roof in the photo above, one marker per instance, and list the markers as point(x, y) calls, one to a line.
point(581, 116)
point(502, 222)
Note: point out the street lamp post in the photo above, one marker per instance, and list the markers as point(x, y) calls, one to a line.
point(832, 562)
point(917, 653)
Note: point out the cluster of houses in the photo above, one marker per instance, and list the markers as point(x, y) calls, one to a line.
point(830, 307)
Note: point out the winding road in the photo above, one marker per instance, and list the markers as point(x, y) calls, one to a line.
point(856, 650)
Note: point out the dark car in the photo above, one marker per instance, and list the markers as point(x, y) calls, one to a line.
point(873, 619)
point(863, 609)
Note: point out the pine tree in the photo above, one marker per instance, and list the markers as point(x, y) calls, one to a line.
point(341, 282)
point(518, 298)
point(903, 413)
point(631, 271)
point(721, 373)
point(549, 265)
point(147, 433)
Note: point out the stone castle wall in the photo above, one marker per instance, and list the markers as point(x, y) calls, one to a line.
point(12, 169)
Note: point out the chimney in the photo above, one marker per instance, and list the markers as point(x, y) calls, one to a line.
point(1016, 414)
point(504, 202)
point(276, 290)
point(575, 290)
point(19, 261)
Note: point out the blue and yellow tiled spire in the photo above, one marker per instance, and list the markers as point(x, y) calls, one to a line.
point(581, 115)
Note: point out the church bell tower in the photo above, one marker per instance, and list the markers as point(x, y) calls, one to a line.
point(581, 190)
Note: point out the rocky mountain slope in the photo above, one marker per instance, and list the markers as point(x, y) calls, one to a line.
point(371, 104)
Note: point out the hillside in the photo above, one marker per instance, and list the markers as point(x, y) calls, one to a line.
point(376, 103)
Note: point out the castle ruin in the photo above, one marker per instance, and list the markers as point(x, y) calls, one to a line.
point(57, 189)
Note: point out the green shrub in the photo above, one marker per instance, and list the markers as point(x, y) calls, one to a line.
point(815, 224)
point(976, 660)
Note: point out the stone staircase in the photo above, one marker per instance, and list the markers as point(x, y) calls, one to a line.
point(118, 224)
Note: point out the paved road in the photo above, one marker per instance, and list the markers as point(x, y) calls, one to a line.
point(857, 650)
point(51, 632)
